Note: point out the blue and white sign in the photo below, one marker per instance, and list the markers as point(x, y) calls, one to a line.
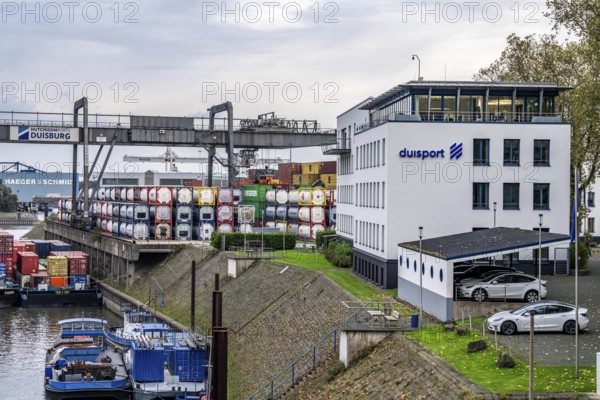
point(455, 152)
point(26, 133)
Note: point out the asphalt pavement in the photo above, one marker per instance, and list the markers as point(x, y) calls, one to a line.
point(558, 349)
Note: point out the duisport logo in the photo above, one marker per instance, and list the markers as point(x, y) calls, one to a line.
point(456, 151)
point(23, 132)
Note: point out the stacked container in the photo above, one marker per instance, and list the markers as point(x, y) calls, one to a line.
point(58, 270)
point(225, 209)
point(205, 199)
point(184, 215)
point(27, 264)
point(6, 252)
point(255, 195)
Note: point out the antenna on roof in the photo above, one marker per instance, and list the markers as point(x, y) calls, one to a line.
point(419, 77)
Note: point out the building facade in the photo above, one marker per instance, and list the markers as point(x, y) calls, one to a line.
point(450, 157)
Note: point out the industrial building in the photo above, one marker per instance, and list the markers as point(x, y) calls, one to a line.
point(451, 157)
point(26, 181)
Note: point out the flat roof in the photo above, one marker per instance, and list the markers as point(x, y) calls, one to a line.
point(357, 105)
point(482, 243)
point(404, 87)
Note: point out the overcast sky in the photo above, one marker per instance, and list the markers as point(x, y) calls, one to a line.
point(300, 59)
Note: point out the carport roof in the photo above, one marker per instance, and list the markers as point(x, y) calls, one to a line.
point(477, 244)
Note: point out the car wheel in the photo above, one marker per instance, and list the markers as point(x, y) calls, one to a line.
point(508, 328)
point(569, 327)
point(531, 296)
point(479, 295)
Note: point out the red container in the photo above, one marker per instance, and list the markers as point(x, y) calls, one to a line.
point(17, 247)
point(192, 182)
point(27, 263)
point(328, 167)
point(59, 281)
point(78, 265)
point(29, 246)
point(6, 242)
point(69, 254)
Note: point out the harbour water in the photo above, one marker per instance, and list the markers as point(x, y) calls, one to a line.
point(25, 334)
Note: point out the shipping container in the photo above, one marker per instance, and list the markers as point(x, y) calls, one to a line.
point(29, 246)
point(224, 196)
point(27, 263)
point(328, 167)
point(255, 193)
point(57, 266)
point(6, 243)
point(329, 180)
point(310, 168)
point(183, 231)
point(204, 196)
point(59, 246)
point(187, 363)
point(148, 363)
point(79, 279)
point(78, 265)
point(72, 253)
point(59, 281)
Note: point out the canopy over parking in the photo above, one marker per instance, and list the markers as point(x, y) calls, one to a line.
point(439, 255)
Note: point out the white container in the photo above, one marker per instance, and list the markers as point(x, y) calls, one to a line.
point(68, 205)
point(129, 230)
point(152, 195)
point(160, 213)
point(206, 196)
point(304, 214)
point(103, 225)
point(225, 213)
point(292, 213)
point(206, 231)
point(141, 212)
point(246, 214)
point(123, 211)
point(144, 195)
point(225, 228)
point(113, 194)
point(116, 210)
point(115, 228)
point(207, 214)
point(123, 229)
point(109, 225)
point(162, 231)
point(293, 228)
point(293, 196)
point(270, 224)
point(282, 226)
point(101, 193)
point(109, 210)
point(185, 195)
point(130, 195)
point(281, 196)
point(237, 196)
point(281, 212)
point(318, 197)
point(270, 196)
point(245, 228)
point(183, 214)
point(129, 211)
point(164, 195)
point(141, 231)
point(123, 194)
point(304, 231)
point(225, 195)
point(270, 211)
point(183, 232)
point(304, 197)
point(314, 229)
point(317, 215)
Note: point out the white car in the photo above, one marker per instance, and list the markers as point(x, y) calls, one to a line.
point(511, 285)
point(550, 316)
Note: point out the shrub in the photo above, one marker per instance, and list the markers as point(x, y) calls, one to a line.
point(320, 241)
point(339, 254)
point(270, 240)
point(583, 253)
point(333, 372)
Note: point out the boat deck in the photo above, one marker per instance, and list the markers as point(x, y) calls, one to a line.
point(168, 388)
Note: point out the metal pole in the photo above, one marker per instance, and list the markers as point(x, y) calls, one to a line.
point(193, 298)
point(576, 200)
point(495, 203)
point(540, 259)
point(531, 332)
point(421, 276)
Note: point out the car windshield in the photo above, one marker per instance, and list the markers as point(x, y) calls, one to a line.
point(492, 276)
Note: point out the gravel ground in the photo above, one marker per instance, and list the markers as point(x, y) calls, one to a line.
point(558, 349)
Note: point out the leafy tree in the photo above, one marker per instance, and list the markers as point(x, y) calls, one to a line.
point(8, 200)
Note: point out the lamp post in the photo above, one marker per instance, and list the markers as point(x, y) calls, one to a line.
point(421, 276)
point(414, 56)
point(495, 204)
point(540, 258)
point(531, 341)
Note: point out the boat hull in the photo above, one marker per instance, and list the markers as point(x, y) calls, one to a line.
point(61, 298)
point(9, 298)
point(116, 390)
point(163, 394)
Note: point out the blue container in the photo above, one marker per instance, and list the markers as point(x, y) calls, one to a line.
point(73, 279)
point(414, 321)
point(148, 364)
point(42, 248)
point(2, 269)
point(60, 246)
point(188, 364)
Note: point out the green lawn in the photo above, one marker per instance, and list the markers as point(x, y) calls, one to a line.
point(481, 367)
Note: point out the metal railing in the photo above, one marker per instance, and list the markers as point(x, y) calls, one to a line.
point(340, 145)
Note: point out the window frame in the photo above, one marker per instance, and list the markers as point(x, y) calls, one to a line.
point(537, 150)
point(478, 148)
point(510, 161)
point(538, 196)
point(485, 204)
point(511, 206)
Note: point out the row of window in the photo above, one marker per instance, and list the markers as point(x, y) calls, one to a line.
point(345, 194)
point(369, 270)
point(370, 194)
point(370, 235)
point(345, 165)
point(370, 155)
point(511, 196)
point(512, 152)
point(344, 223)
point(414, 264)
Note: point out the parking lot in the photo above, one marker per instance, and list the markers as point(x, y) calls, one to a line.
point(558, 349)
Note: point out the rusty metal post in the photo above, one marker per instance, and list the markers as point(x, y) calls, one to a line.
point(220, 338)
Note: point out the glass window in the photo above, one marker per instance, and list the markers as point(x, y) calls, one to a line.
point(507, 257)
point(591, 222)
point(532, 107)
point(421, 106)
point(436, 108)
point(511, 196)
point(545, 254)
point(519, 109)
point(547, 105)
point(541, 196)
point(511, 151)
point(449, 108)
point(541, 152)
point(481, 151)
point(470, 108)
point(591, 199)
point(481, 196)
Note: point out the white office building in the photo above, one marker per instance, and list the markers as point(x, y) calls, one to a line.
point(451, 157)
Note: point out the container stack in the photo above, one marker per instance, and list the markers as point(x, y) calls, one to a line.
point(255, 195)
point(160, 200)
point(6, 253)
point(184, 215)
point(328, 174)
point(27, 265)
point(205, 200)
point(58, 270)
point(225, 210)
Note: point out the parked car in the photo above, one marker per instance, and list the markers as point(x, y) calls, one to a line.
point(477, 270)
point(485, 275)
point(512, 285)
point(550, 316)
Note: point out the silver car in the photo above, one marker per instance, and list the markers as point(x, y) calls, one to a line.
point(550, 316)
point(512, 285)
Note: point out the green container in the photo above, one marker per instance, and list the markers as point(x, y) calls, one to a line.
point(259, 208)
point(255, 193)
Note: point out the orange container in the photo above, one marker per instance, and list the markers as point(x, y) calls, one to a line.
point(59, 281)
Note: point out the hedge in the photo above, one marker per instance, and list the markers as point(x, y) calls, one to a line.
point(319, 240)
point(270, 240)
point(339, 254)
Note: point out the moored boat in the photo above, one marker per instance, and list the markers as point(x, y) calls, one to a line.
point(81, 365)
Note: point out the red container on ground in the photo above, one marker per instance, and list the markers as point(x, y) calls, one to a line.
point(78, 265)
point(27, 263)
